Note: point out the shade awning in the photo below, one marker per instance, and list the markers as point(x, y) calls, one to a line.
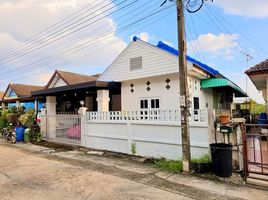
point(223, 83)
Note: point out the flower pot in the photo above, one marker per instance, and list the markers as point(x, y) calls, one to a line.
point(225, 119)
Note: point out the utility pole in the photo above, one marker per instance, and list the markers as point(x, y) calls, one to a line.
point(185, 135)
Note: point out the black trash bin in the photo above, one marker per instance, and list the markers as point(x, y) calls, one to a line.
point(221, 155)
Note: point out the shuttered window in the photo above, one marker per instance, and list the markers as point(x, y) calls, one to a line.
point(135, 63)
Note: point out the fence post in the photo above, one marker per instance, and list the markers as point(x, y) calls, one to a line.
point(129, 134)
point(212, 137)
point(43, 122)
point(83, 128)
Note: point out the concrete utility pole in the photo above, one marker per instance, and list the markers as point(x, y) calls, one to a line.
point(185, 135)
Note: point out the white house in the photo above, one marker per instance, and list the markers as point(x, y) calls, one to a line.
point(149, 77)
point(148, 120)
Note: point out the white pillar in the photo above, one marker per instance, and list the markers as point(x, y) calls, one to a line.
point(51, 105)
point(36, 105)
point(51, 117)
point(103, 100)
point(3, 105)
point(17, 103)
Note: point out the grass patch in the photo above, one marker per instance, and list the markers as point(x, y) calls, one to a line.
point(169, 165)
point(205, 159)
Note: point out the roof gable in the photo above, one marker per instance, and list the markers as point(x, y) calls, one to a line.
point(15, 91)
point(62, 78)
point(155, 62)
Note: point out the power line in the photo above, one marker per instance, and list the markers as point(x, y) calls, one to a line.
point(90, 41)
point(245, 36)
point(219, 27)
point(9, 58)
point(197, 38)
point(189, 38)
point(122, 28)
point(53, 27)
point(112, 42)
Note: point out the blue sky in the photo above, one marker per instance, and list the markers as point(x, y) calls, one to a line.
point(217, 35)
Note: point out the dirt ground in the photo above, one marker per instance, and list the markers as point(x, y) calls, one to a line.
point(31, 172)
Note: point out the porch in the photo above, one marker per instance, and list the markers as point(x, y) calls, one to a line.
point(93, 95)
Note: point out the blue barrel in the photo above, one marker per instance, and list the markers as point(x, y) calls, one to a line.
point(263, 116)
point(20, 133)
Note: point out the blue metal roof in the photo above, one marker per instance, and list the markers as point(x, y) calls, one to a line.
point(208, 69)
point(170, 49)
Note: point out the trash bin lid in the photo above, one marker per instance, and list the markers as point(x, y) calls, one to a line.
point(220, 146)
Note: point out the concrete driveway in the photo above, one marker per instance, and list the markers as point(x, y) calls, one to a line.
point(29, 172)
point(28, 177)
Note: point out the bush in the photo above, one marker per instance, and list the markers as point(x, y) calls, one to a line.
point(28, 118)
point(34, 133)
point(13, 118)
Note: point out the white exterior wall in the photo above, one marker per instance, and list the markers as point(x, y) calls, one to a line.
point(152, 139)
point(57, 82)
point(169, 99)
point(155, 62)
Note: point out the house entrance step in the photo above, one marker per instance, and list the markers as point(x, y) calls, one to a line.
point(258, 179)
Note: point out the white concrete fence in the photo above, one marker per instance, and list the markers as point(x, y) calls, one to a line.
point(151, 134)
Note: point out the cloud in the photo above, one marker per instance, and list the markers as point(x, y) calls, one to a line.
point(217, 45)
point(144, 36)
point(21, 19)
point(248, 8)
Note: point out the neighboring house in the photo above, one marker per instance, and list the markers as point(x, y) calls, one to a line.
point(149, 77)
point(65, 91)
point(17, 95)
point(258, 74)
point(1, 97)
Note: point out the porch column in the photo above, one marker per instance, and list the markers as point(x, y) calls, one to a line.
point(103, 100)
point(36, 105)
point(3, 105)
point(51, 105)
point(51, 117)
point(17, 103)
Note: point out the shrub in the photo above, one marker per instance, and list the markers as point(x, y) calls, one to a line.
point(13, 118)
point(34, 133)
point(28, 118)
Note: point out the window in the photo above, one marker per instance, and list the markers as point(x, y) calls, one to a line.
point(196, 103)
point(144, 104)
point(149, 104)
point(154, 103)
point(135, 63)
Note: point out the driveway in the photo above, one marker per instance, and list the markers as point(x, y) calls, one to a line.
point(28, 177)
point(29, 172)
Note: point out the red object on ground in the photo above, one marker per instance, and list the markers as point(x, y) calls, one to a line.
point(74, 132)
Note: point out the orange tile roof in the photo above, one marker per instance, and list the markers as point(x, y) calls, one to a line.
point(73, 78)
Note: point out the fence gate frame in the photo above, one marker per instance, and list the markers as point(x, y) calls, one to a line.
point(252, 134)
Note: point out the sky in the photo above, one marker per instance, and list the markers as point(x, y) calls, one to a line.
point(89, 34)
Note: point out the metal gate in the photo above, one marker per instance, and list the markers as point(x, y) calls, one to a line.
point(64, 129)
point(255, 141)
